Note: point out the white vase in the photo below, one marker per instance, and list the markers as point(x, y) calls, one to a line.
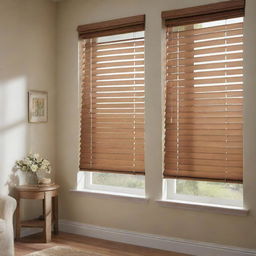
point(31, 178)
point(26, 178)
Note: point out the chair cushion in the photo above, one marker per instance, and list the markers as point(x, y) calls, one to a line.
point(2, 225)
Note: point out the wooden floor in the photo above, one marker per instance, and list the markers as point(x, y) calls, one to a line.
point(106, 248)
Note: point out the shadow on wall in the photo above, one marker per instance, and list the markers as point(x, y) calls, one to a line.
point(14, 180)
point(18, 177)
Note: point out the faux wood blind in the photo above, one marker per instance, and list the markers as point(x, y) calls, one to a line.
point(112, 116)
point(204, 100)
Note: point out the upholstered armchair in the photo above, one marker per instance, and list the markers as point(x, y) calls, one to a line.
point(7, 208)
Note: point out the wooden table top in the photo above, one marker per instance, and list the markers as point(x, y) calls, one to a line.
point(37, 188)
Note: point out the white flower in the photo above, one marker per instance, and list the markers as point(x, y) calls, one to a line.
point(33, 163)
point(43, 167)
point(34, 168)
point(48, 170)
point(26, 161)
point(45, 162)
point(30, 155)
point(36, 156)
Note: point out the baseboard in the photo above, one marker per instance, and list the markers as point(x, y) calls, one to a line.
point(154, 241)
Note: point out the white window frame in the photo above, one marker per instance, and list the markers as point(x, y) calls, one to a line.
point(84, 182)
point(170, 184)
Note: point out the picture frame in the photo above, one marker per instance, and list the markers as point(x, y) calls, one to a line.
point(37, 106)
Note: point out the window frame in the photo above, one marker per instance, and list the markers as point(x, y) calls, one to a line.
point(199, 14)
point(203, 167)
point(84, 182)
point(171, 190)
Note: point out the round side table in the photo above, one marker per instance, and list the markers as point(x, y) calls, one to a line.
point(49, 195)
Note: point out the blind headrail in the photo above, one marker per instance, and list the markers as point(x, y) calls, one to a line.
point(204, 13)
point(112, 27)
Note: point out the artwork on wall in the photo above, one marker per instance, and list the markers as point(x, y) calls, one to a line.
point(37, 107)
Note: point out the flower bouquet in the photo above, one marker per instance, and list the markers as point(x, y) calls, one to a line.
point(35, 165)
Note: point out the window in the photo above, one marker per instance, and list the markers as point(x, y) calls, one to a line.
point(112, 112)
point(204, 103)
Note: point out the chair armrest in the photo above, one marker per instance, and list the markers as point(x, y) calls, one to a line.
point(7, 207)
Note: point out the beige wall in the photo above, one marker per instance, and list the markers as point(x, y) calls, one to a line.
point(27, 62)
point(145, 217)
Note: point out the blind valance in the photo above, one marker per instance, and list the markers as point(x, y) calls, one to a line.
point(204, 13)
point(112, 27)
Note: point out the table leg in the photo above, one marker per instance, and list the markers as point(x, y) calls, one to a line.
point(18, 218)
point(47, 217)
point(55, 215)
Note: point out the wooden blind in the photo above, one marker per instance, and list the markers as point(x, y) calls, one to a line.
point(204, 100)
point(112, 116)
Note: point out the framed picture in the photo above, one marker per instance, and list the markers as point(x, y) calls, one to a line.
point(37, 107)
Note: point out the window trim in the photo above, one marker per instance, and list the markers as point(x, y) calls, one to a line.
point(107, 195)
point(228, 210)
point(84, 183)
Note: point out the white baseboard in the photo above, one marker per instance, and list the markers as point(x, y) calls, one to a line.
point(154, 241)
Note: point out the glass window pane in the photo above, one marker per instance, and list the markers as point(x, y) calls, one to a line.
point(119, 180)
point(210, 189)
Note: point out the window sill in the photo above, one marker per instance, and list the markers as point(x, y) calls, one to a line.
point(104, 194)
point(229, 210)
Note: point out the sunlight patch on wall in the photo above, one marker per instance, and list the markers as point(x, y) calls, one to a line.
point(13, 101)
point(13, 127)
